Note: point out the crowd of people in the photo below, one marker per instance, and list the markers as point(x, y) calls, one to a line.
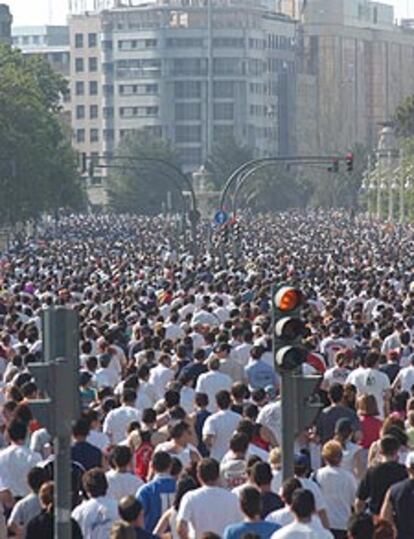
point(180, 432)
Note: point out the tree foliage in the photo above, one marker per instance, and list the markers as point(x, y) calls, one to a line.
point(143, 187)
point(226, 156)
point(37, 165)
point(404, 118)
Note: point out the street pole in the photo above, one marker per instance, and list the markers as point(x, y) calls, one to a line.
point(379, 198)
point(390, 190)
point(289, 410)
point(402, 191)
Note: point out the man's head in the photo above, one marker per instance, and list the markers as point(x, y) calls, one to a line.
point(223, 399)
point(129, 396)
point(360, 527)
point(181, 433)
point(121, 457)
point(262, 474)
point(130, 510)
point(303, 504)
point(208, 471)
point(36, 477)
point(161, 462)
point(336, 393)
point(239, 444)
point(81, 429)
point(17, 431)
point(251, 502)
point(332, 453)
point(95, 483)
point(288, 488)
point(389, 447)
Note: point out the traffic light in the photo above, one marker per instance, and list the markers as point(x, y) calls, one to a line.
point(334, 167)
point(308, 401)
point(350, 162)
point(289, 328)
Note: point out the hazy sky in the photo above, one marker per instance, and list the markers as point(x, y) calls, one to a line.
point(54, 11)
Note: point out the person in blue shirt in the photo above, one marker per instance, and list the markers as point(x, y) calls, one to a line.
point(258, 373)
point(130, 510)
point(251, 506)
point(158, 494)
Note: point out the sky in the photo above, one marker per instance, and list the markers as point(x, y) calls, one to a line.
point(33, 12)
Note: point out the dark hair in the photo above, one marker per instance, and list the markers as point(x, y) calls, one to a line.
point(251, 502)
point(246, 427)
point(149, 416)
point(336, 393)
point(201, 399)
point(161, 461)
point(361, 526)
point(184, 485)
point(81, 427)
point(303, 503)
point(177, 430)
point(389, 445)
point(208, 470)
point(262, 474)
point(28, 389)
point(172, 398)
point(239, 442)
point(121, 455)
point(176, 467)
point(95, 483)
point(36, 477)
point(17, 430)
point(223, 399)
point(129, 395)
point(239, 390)
point(289, 487)
point(129, 508)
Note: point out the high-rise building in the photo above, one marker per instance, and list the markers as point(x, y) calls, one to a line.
point(354, 69)
point(6, 20)
point(189, 71)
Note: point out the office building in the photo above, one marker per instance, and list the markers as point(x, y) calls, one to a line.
point(6, 20)
point(188, 72)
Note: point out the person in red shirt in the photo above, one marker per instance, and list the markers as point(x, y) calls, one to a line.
point(371, 424)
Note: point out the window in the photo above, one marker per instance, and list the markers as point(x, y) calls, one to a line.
point(93, 64)
point(93, 112)
point(228, 66)
point(80, 87)
point(224, 89)
point(92, 40)
point(94, 135)
point(133, 112)
point(80, 112)
point(80, 135)
point(223, 111)
point(108, 112)
point(108, 134)
point(188, 133)
point(78, 65)
point(187, 111)
point(187, 89)
point(78, 41)
point(93, 87)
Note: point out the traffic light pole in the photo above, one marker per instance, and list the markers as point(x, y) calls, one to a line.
point(289, 411)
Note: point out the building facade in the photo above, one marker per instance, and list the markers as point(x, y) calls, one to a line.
point(355, 68)
point(190, 73)
point(6, 20)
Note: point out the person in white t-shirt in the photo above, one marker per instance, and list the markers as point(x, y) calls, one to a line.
point(285, 516)
point(98, 512)
point(117, 421)
point(304, 526)
point(219, 427)
point(209, 508)
point(338, 486)
point(121, 481)
point(404, 380)
point(161, 375)
point(212, 382)
point(371, 381)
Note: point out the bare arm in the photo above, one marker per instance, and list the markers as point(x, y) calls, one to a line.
point(359, 506)
point(163, 523)
point(324, 518)
point(182, 529)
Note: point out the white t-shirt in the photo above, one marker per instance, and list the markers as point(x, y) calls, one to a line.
point(117, 421)
point(371, 382)
point(15, 463)
point(309, 484)
point(298, 530)
point(122, 484)
point(221, 425)
point(339, 488)
point(209, 509)
point(284, 516)
point(98, 439)
point(211, 383)
point(159, 378)
point(271, 417)
point(405, 378)
point(96, 516)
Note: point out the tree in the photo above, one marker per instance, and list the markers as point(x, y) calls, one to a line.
point(226, 156)
point(38, 170)
point(341, 190)
point(404, 118)
point(144, 187)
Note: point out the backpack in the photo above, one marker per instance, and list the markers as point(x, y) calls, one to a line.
point(142, 458)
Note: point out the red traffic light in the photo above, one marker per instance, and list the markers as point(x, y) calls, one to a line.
point(288, 299)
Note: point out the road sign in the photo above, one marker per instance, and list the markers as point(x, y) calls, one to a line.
point(221, 217)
